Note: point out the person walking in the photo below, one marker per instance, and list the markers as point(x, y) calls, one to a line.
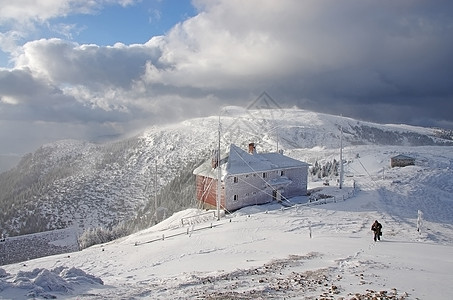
point(377, 229)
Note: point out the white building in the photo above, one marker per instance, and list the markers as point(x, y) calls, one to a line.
point(250, 178)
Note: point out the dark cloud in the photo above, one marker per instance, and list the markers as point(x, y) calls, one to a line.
point(20, 83)
point(31, 99)
point(383, 61)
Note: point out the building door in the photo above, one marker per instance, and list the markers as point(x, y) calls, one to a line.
point(277, 195)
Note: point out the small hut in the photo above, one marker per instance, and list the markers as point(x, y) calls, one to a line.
point(402, 161)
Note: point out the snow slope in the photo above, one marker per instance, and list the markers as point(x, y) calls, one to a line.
point(316, 251)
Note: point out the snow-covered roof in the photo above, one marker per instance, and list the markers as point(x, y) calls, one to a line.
point(402, 156)
point(238, 161)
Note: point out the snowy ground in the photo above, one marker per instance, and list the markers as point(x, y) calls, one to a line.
point(270, 252)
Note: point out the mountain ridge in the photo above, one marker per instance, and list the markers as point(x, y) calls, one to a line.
point(87, 185)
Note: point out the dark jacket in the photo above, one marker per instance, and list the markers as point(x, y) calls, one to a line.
point(376, 227)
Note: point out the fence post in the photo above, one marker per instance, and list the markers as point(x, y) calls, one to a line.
point(191, 229)
point(419, 221)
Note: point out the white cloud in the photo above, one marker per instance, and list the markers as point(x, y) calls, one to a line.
point(9, 42)
point(19, 19)
point(154, 15)
point(66, 30)
point(68, 63)
point(9, 100)
point(325, 55)
point(26, 11)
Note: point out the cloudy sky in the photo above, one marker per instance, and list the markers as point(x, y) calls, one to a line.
point(94, 69)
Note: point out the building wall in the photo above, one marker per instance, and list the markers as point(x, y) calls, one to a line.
point(249, 189)
point(206, 192)
point(401, 162)
point(299, 177)
point(252, 189)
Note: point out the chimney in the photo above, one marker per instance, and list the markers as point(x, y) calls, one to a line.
point(252, 149)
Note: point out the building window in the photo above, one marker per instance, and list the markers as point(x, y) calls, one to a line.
point(235, 179)
point(235, 198)
point(282, 173)
point(264, 175)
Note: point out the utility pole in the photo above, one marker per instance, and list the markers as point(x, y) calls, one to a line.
point(277, 137)
point(341, 157)
point(155, 187)
point(219, 175)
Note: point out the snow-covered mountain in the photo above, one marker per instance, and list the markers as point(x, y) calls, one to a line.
point(320, 247)
point(80, 184)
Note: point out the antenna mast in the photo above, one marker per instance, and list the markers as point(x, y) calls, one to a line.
point(219, 175)
point(155, 187)
point(341, 157)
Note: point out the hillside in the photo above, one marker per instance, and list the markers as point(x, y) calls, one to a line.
point(85, 185)
point(312, 250)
